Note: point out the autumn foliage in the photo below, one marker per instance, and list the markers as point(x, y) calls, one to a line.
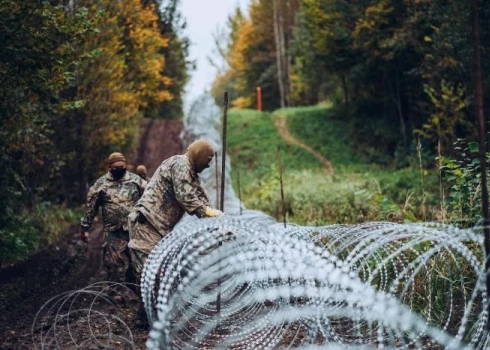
point(76, 77)
point(395, 69)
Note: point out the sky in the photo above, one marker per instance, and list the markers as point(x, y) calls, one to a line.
point(203, 18)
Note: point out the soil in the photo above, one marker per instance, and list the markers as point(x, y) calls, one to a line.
point(70, 265)
point(159, 140)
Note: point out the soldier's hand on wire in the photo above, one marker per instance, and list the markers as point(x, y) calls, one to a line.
point(84, 236)
point(212, 213)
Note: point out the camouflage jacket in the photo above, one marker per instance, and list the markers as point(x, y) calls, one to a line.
point(117, 198)
point(174, 189)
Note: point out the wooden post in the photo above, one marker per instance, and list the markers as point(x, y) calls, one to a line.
point(283, 204)
point(259, 99)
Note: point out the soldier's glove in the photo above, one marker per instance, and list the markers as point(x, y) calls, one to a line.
point(210, 212)
point(84, 236)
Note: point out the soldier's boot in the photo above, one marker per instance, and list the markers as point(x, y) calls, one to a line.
point(131, 281)
point(141, 318)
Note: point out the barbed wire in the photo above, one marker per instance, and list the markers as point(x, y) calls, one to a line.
point(284, 288)
point(95, 317)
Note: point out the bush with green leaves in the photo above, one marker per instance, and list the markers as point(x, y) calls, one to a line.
point(34, 230)
point(463, 178)
point(314, 198)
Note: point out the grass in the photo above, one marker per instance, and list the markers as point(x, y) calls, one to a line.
point(323, 131)
point(252, 145)
point(356, 192)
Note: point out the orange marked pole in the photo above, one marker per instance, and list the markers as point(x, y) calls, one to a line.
point(259, 99)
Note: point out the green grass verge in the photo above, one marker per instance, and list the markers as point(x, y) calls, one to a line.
point(356, 192)
point(322, 130)
point(252, 145)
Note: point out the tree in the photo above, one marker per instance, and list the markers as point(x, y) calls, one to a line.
point(177, 63)
point(36, 65)
point(118, 82)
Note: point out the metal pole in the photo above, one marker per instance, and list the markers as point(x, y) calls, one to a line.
point(217, 178)
point(223, 153)
point(478, 80)
point(223, 172)
point(283, 204)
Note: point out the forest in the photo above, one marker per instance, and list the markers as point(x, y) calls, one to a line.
point(396, 80)
point(356, 134)
point(396, 70)
point(76, 79)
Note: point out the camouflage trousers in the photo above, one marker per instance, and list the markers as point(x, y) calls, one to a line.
point(138, 258)
point(117, 258)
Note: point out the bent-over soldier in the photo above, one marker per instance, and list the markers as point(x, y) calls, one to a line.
point(142, 172)
point(174, 189)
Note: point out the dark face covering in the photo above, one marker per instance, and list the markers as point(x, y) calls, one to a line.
point(118, 173)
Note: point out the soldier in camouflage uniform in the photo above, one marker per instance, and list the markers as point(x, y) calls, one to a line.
point(142, 172)
point(116, 192)
point(174, 189)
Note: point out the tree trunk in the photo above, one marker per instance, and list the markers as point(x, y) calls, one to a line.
point(80, 156)
point(478, 81)
point(279, 60)
point(398, 101)
point(346, 92)
point(284, 58)
point(69, 6)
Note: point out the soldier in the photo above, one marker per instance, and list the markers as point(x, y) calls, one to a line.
point(117, 192)
point(141, 171)
point(174, 189)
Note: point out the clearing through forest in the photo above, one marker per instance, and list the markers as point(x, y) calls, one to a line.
point(282, 128)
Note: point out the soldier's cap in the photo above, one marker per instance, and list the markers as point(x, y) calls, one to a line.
point(141, 170)
point(116, 157)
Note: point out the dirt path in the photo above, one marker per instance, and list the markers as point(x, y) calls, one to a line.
point(69, 264)
point(282, 128)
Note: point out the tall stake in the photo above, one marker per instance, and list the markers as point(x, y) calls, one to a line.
point(482, 142)
point(223, 172)
point(216, 170)
point(223, 153)
point(283, 205)
point(239, 191)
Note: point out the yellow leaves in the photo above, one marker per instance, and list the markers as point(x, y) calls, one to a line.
point(369, 32)
point(126, 75)
point(449, 62)
point(238, 59)
point(167, 81)
point(448, 101)
point(164, 95)
point(242, 102)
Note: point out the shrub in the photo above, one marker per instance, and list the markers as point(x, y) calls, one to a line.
point(31, 231)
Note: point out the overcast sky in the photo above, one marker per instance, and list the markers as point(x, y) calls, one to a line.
point(203, 17)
